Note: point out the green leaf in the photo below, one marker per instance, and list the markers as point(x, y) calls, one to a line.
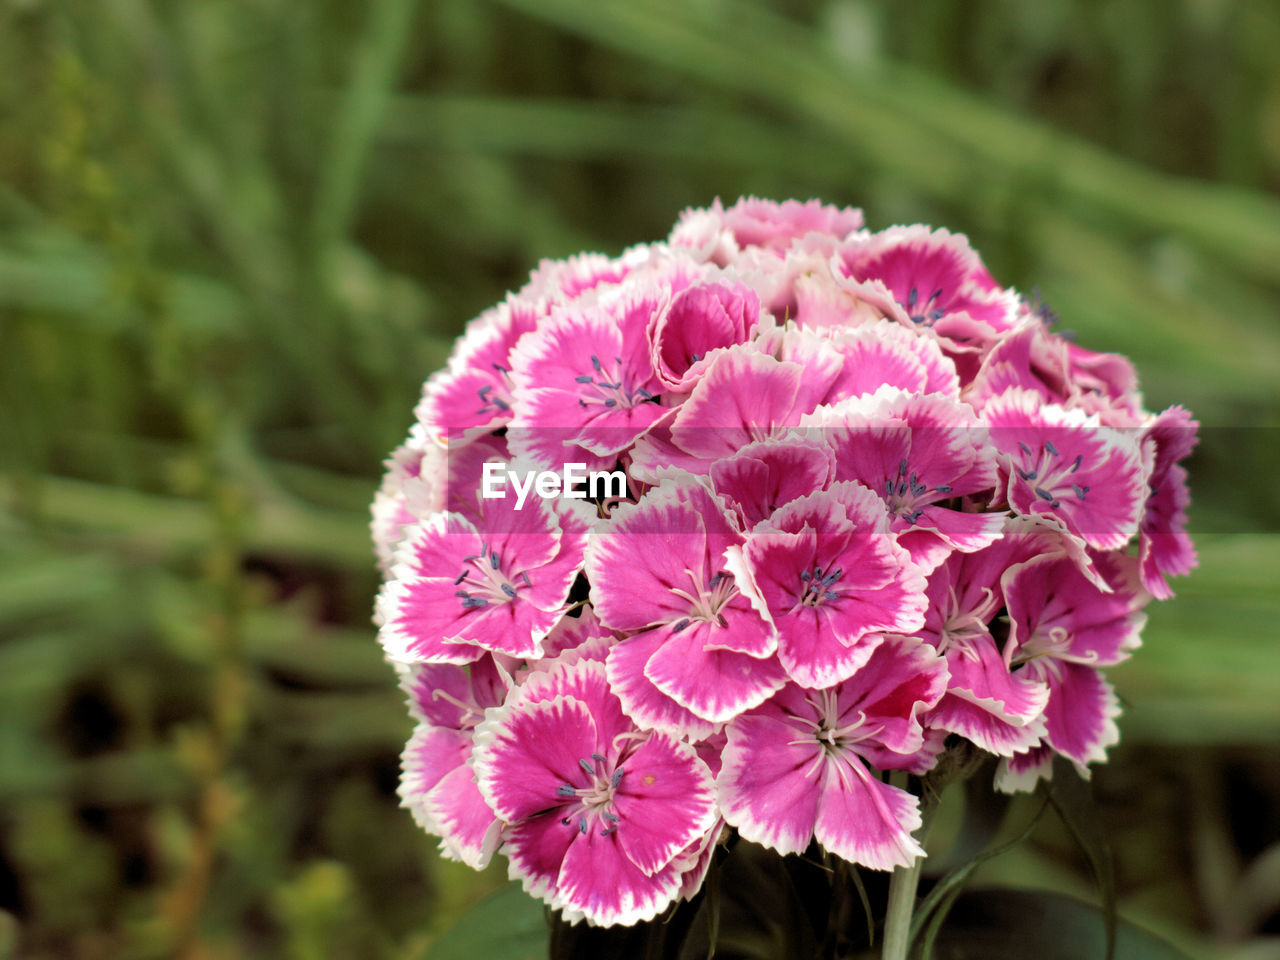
point(997, 924)
point(507, 925)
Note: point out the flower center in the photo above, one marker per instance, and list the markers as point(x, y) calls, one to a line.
point(834, 737)
point(926, 312)
point(471, 714)
point(490, 402)
point(1049, 473)
point(594, 802)
point(706, 602)
point(1046, 650)
point(609, 391)
point(487, 583)
point(961, 627)
point(818, 586)
point(906, 495)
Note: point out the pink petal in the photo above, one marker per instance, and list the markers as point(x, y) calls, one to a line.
point(524, 755)
point(763, 476)
point(713, 683)
point(468, 828)
point(1021, 772)
point(536, 850)
point(987, 729)
point(666, 800)
point(769, 786)
point(599, 881)
point(766, 223)
point(430, 755)
point(979, 674)
point(646, 549)
point(584, 682)
point(1080, 717)
point(744, 396)
point(866, 821)
point(643, 702)
point(903, 678)
point(699, 320)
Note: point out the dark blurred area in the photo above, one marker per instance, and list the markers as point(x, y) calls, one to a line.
point(235, 237)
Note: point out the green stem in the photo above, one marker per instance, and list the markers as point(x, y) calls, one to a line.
point(902, 901)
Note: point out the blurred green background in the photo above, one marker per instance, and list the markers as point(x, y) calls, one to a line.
point(236, 235)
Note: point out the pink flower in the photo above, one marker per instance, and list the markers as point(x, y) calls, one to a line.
point(1062, 630)
point(1165, 550)
point(761, 477)
point(473, 395)
point(745, 396)
point(584, 385)
point(922, 455)
point(437, 784)
point(831, 580)
point(1063, 466)
point(1000, 710)
point(699, 320)
point(717, 234)
point(461, 588)
point(597, 811)
point(872, 503)
point(883, 353)
point(929, 279)
point(696, 653)
point(797, 767)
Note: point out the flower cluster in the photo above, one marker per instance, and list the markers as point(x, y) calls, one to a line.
point(857, 498)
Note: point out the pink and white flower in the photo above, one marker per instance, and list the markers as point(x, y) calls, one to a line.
point(437, 784)
point(871, 503)
point(1062, 465)
point(1063, 629)
point(584, 387)
point(695, 651)
point(796, 768)
point(830, 578)
point(598, 812)
point(923, 454)
point(460, 588)
point(998, 709)
point(473, 395)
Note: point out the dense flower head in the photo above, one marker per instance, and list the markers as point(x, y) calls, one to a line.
point(709, 536)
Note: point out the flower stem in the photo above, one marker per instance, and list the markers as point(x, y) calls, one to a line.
point(902, 900)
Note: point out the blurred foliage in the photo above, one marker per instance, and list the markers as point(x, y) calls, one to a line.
point(235, 236)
